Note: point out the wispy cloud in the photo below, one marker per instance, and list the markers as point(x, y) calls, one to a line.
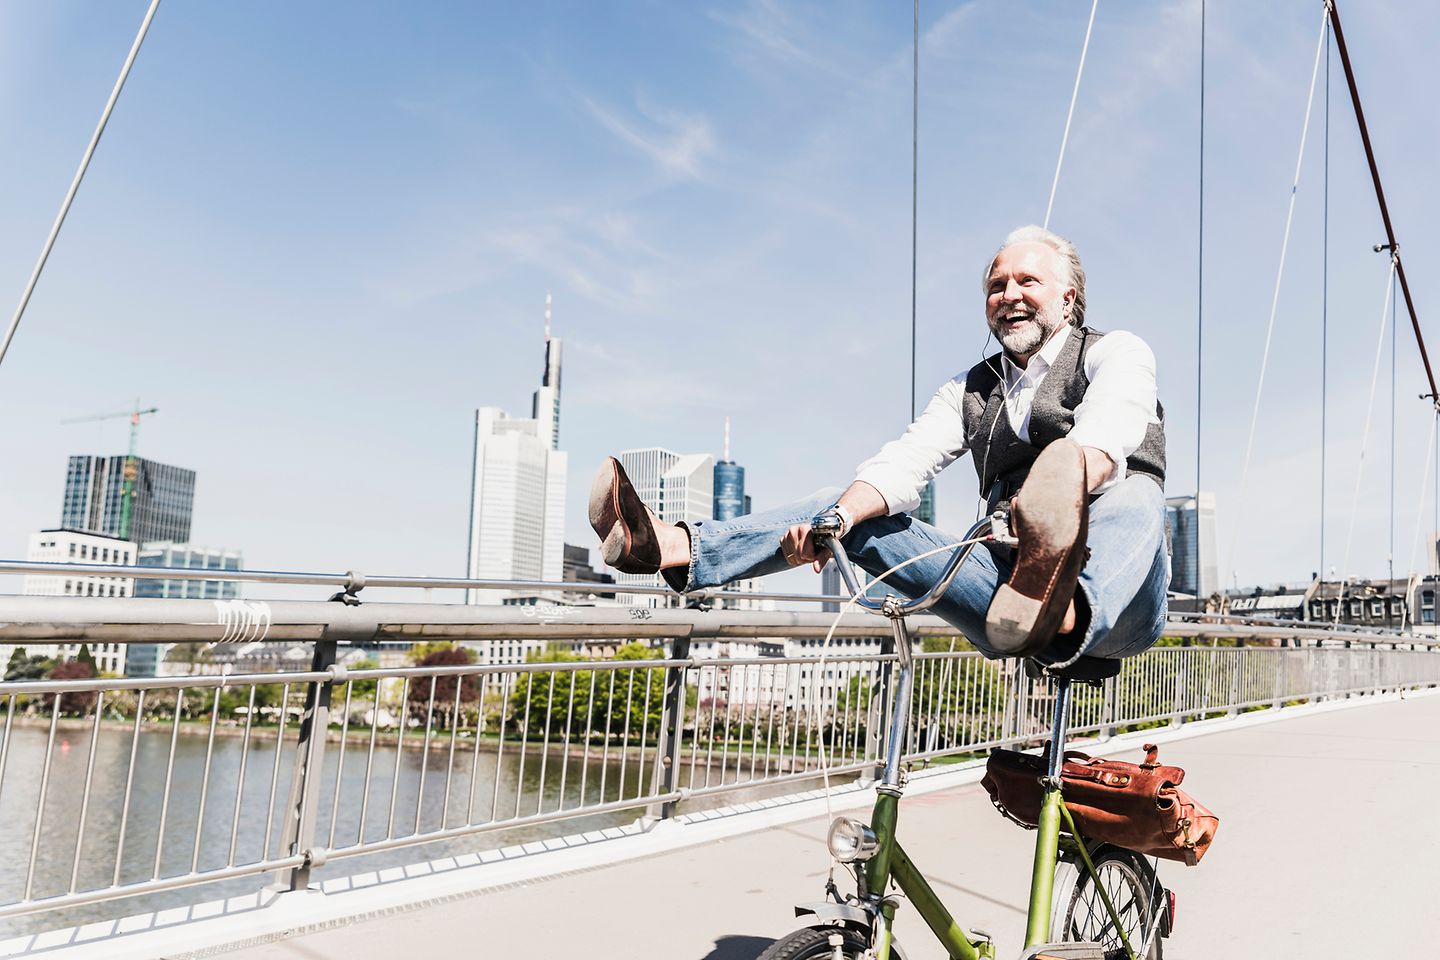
point(767, 28)
point(677, 142)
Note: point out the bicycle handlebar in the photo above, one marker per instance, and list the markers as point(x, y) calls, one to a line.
point(827, 525)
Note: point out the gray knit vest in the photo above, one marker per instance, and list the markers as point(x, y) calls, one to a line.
point(1002, 459)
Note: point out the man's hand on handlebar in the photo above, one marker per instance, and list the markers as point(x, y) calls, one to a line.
point(800, 545)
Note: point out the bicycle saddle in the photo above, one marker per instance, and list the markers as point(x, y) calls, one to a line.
point(1083, 670)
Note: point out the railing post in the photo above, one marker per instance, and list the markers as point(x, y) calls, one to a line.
point(672, 729)
point(1112, 707)
point(300, 807)
point(350, 623)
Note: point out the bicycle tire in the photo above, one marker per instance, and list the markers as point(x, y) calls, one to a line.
point(1080, 915)
point(813, 943)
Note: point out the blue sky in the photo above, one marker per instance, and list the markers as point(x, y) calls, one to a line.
point(317, 236)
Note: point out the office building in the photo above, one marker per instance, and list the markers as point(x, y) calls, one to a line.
point(75, 546)
point(517, 494)
point(95, 495)
point(145, 658)
point(926, 510)
point(1190, 524)
point(730, 499)
point(678, 487)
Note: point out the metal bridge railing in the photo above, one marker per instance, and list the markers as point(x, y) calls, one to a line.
point(114, 788)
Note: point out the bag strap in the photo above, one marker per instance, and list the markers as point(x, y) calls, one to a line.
point(1152, 757)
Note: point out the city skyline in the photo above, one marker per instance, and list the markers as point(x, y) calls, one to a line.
point(299, 317)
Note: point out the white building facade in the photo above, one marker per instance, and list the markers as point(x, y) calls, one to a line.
point(517, 494)
point(678, 487)
point(75, 546)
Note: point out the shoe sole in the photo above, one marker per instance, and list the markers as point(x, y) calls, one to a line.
point(1019, 625)
point(615, 542)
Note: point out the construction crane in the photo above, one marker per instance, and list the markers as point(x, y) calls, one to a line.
point(132, 469)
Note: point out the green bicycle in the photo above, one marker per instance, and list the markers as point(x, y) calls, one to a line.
point(1087, 899)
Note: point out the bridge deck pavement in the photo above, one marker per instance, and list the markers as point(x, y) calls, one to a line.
point(1323, 851)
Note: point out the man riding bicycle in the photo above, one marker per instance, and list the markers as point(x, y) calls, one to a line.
point(1065, 420)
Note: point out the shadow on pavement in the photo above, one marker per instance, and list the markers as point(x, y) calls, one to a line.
point(738, 948)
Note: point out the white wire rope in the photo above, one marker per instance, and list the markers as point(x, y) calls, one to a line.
point(830, 634)
point(1365, 435)
point(1070, 115)
point(75, 183)
point(1275, 296)
point(1420, 514)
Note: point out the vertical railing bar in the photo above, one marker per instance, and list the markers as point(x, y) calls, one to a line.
point(725, 727)
point(399, 754)
point(480, 685)
point(275, 768)
point(425, 753)
point(644, 734)
point(545, 746)
point(205, 780)
point(710, 736)
point(5, 740)
point(605, 735)
point(40, 804)
point(340, 764)
point(129, 783)
point(755, 714)
point(450, 758)
point(505, 693)
point(85, 792)
point(572, 679)
point(589, 728)
point(369, 766)
point(169, 776)
point(240, 780)
point(625, 732)
point(524, 739)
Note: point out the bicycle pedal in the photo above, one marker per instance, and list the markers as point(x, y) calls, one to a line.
point(1066, 951)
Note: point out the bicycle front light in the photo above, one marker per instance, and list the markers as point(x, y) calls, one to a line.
point(850, 840)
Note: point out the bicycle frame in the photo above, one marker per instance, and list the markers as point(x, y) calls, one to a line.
point(889, 862)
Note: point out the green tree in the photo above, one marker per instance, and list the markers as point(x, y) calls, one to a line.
point(28, 667)
point(420, 651)
point(88, 658)
point(546, 699)
point(189, 653)
point(364, 689)
point(633, 703)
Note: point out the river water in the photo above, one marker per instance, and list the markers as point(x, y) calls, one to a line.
point(499, 790)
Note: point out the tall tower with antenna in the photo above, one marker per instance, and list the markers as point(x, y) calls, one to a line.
point(517, 490)
point(730, 499)
point(545, 407)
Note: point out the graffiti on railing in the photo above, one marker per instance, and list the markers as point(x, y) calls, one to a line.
point(243, 621)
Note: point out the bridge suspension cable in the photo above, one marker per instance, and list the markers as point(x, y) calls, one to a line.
point(1070, 115)
point(1365, 432)
point(1279, 277)
point(75, 182)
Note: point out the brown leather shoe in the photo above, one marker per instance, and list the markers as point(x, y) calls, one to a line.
point(626, 526)
point(1050, 520)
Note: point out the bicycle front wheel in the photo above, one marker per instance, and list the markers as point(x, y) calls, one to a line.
point(1134, 891)
point(813, 943)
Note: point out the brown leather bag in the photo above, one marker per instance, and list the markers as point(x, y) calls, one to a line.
point(1137, 806)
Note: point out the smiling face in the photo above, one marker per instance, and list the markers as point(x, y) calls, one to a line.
point(1027, 298)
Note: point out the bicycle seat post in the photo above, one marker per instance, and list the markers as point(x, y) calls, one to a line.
point(1059, 727)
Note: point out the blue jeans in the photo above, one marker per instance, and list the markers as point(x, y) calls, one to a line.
point(1123, 582)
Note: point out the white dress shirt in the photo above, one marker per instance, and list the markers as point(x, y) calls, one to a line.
point(1119, 406)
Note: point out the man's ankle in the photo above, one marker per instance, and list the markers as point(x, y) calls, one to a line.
point(674, 545)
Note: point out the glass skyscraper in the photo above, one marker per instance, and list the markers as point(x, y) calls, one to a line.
point(1190, 525)
point(729, 491)
point(94, 495)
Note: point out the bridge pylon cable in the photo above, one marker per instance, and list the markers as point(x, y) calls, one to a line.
point(1275, 297)
point(75, 182)
point(1365, 433)
point(1070, 114)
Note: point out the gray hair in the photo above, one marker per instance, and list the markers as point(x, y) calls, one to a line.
point(1069, 260)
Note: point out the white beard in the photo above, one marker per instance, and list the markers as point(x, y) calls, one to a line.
point(1030, 338)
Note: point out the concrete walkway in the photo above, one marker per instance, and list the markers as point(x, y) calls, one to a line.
point(1323, 851)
